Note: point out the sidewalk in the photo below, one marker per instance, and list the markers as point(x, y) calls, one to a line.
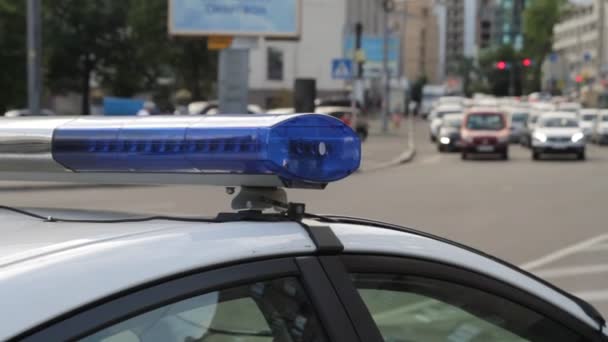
point(382, 150)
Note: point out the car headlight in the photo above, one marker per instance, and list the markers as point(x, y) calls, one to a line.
point(540, 137)
point(444, 140)
point(577, 137)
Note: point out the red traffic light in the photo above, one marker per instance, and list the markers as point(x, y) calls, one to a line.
point(579, 78)
point(501, 65)
point(527, 62)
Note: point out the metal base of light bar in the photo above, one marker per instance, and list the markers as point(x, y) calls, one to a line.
point(258, 198)
point(270, 181)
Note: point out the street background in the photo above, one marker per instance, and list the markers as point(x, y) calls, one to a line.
point(518, 210)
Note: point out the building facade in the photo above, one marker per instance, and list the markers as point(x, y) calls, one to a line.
point(580, 44)
point(419, 31)
point(275, 65)
point(508, 24)
point(486, 21)
point(460, 31)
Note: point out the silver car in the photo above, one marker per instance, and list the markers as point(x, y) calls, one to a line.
point(558, 133)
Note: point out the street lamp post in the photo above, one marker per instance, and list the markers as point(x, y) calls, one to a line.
point(34, 47)
point(388, 6)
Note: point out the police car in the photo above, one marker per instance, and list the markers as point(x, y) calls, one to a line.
point(268, 271)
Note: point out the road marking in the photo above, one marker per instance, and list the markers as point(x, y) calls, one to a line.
point(564, 252)
point(560, 272)
point(593, 296)
point(597, 248)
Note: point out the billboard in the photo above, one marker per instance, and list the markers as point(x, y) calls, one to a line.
point(267, 18)
point(373, 48)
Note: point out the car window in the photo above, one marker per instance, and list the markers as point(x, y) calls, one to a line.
point(520, 118)
point(605, 118)
point(493, 122)
point(559, 123)
point(412, 308)
point(589, 117)
point(271, 311)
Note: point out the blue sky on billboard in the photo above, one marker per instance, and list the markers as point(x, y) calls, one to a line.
point(235, 17)
point(373, 47)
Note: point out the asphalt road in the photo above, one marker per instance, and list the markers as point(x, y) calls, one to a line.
point(548, 216)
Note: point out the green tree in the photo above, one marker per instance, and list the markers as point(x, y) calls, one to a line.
point(82, 38)
point(13, 83)
point(539, 18)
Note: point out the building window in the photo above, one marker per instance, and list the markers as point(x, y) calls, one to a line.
point(274, 61)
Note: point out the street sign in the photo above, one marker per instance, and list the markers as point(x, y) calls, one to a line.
point(341, 69)
point(219, 42)
point(372, 48)
point(267, 18)
point(553, 57)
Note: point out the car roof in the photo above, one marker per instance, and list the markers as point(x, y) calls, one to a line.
point(453, 117)
point(569, 115)
point(587, 111)
point(485, 110)
point(39, 257)
point(329, 109)
point(449, 107)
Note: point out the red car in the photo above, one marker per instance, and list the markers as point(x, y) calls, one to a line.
point(485, 131)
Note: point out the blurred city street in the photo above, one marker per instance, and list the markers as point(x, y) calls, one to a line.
point(522, 211)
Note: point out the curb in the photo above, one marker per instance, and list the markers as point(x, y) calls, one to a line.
point(403, 158)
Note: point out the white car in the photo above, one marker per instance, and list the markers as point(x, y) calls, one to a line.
point(600, 130)
point(558, 132)
point(255, 273)
point(436, 118)
point(588, 118)
point(572, 107)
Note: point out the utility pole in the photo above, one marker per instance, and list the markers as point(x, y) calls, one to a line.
point(34, 51)
point(601, 37)
point(389, 6)
point(358, 93)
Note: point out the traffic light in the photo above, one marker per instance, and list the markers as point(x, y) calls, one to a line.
point(501, 65)
point(526, 62)
point(579, 79)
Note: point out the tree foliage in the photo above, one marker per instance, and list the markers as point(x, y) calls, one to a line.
point(122, 45)
point(12, 54)
point(539, 18)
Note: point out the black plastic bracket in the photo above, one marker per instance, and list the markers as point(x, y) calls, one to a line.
point(325, 240)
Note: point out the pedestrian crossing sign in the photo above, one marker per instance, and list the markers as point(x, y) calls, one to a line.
point(342, 69)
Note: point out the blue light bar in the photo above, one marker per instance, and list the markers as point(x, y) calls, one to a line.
point(300, 149)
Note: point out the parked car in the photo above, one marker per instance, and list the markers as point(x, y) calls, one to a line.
point(572, 107)
point(536, 110)
point(485, 131)
point(558, 133)
point(518, 119)
point(26, 112)
point(449, 133)
point(213, 108)
point(588, 117)
point(600, 130)
point(345, 114)
point(436, 118)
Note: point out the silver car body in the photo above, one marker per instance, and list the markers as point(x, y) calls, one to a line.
point(80, 263)
point(557, 137)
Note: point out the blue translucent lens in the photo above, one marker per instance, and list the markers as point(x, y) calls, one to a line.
point(306, 148)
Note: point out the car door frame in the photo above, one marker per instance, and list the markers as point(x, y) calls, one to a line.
point(346, 264)
point(119, 307)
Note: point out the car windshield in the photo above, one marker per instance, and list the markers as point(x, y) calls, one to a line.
point(487, 122)
point(605, 118)
point(454, 123)
point(442, 114)
point(519, 117)
point(559, 122)
point(589, 117)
